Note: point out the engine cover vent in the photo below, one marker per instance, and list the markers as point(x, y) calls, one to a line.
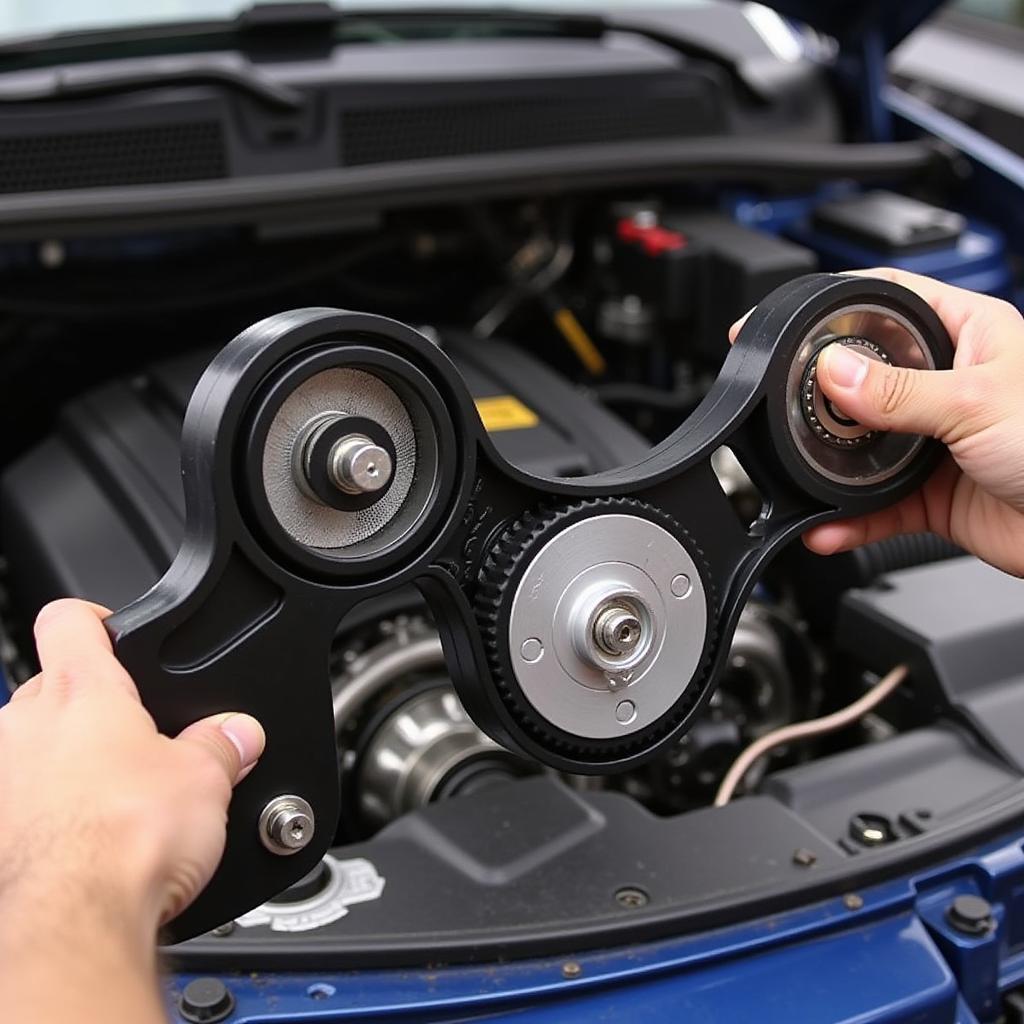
point(154, 154)
point(385, 134)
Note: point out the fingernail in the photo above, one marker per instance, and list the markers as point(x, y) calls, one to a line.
point(845, 367)
point(248, 737)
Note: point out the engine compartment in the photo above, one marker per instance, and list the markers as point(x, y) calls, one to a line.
point(586, 327)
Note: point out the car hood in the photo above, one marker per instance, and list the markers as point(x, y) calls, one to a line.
point(850, 21)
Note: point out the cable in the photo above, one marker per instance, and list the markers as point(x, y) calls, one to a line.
point(578, 340)
point(803, 730)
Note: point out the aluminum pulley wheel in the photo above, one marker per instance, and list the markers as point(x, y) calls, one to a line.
point(330, 456)
point(592, 615)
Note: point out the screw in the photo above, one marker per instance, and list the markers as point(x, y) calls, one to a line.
point(632, 898)
point(852, 901)
point(223, 929)
point(871, 829)
point(805, 858)
point(617, 630)
point(358, 466)
point(971, 915)
point(286, 825)
point(571, 969)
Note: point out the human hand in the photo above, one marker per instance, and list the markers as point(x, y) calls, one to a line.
point(975, 498)
point(110, 828)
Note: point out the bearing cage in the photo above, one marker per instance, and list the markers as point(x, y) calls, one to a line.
point(245, 616)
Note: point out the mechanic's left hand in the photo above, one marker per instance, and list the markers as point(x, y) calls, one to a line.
point(100, 813)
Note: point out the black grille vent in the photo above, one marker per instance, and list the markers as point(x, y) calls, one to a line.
point(386, 134)
point(127, 156)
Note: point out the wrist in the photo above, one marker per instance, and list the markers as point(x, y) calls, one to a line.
point(95, 938)
point(75, 905)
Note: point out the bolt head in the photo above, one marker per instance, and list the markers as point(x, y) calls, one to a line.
point(871, 829)
point(618, 630)
point(571, 969)
point(206, 1001)
point(631, 898)
point(359, 466)
point(971, 915)
point(852, 901)
point(286, 825)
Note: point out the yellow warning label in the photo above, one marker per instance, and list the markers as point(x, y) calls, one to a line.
point(505, 412)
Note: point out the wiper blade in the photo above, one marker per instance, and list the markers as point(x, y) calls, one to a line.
point(72, 84)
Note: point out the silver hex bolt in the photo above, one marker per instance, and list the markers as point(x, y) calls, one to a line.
point(356, 465)
point(286, 825)
point(618, 630)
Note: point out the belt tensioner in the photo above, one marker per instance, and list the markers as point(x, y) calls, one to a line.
point(329, 455)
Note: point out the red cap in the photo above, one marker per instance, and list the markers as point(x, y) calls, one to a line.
point(654, 239)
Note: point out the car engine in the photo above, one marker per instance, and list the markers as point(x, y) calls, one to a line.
point(95, 507)
point(587, 323)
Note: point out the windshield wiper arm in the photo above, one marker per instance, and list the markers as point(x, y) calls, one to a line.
point(73, 84)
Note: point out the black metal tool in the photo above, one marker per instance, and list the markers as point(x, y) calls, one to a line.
point(329, 455)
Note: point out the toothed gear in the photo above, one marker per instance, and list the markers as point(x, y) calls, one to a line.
point(510, 559)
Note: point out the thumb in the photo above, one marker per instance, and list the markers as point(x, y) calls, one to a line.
point(887, 397)
point(234, 740)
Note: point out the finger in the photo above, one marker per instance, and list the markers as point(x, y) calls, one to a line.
point(234, 741)
point(74, 647)
point(948, 404)
point(957, 303)
point(29, 688)
point(738, 326)
point(924, 511)
point(964, 314)
point(935, 293)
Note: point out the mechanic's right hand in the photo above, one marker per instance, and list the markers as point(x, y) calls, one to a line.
point(976, 498)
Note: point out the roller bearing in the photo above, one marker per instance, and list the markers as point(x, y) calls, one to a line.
point(829, 423)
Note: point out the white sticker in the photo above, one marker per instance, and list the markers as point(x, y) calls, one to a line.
point(349, 881)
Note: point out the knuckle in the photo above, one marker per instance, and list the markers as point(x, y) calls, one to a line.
point(181, 886)
point(894, 390)
point(217, 765)
point(1005, 310)
point(972, 404)
point(970, 395)
point(64, 680)
point(884, 273)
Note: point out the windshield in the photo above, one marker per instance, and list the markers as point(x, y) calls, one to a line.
point(31, 17)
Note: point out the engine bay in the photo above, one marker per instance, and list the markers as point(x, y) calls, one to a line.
point(585, 330)
point(580, 264)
